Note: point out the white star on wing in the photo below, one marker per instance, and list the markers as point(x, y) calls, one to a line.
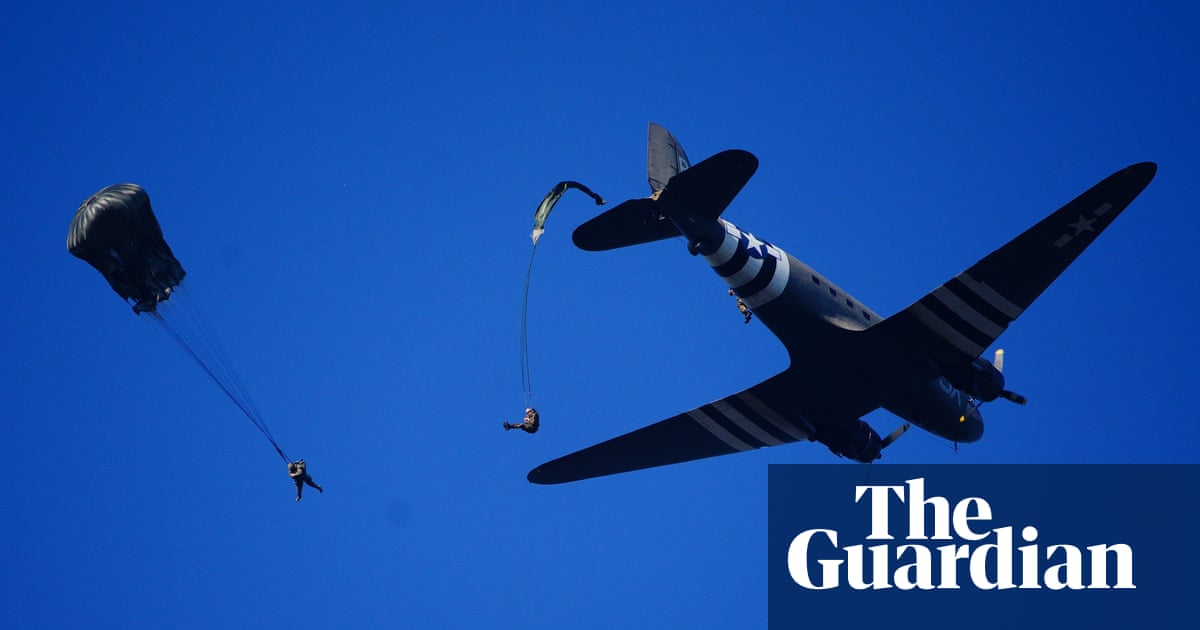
point(1082, 225)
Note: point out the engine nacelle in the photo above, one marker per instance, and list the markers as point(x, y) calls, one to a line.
point(979, 379)
point(858, 442)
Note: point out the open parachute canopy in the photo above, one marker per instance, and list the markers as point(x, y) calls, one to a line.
point(543, 210)
point(115, 231)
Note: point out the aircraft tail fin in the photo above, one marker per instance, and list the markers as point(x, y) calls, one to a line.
point(700, 193)
point(665, 157)
point(639, 221)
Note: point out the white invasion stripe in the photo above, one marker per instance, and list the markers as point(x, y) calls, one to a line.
point(964, 310)
point(778, 281)
point(748, 272)
point(719, 431)
point(991, 296)
point(746, 424)
point(728, 247)
point(774, 418)
point(1103, 209)
point(940, 327)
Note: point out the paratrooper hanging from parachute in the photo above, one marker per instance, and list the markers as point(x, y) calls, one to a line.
point(116, 232)
point(539, 221)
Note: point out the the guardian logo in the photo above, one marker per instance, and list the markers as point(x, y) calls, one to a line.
point(947, 546)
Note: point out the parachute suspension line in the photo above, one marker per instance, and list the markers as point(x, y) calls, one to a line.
point(526, 383)
point(115, 232)
point(539, 222)
point(182, 319)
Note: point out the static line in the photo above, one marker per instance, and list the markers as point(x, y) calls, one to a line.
point(526, 380)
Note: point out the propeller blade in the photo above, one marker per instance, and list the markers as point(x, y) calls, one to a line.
point(998, 363)
point(1014, 396)
point(893, 436)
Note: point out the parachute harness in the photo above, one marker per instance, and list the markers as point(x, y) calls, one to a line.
point(539, 222)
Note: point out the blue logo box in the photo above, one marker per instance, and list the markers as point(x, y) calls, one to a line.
point(981, 546)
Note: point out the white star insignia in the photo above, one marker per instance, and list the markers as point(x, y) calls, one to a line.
point(1082, 225)
point(754, 246)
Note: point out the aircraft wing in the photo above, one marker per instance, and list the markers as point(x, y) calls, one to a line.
point(750, 419)
point(963, 316)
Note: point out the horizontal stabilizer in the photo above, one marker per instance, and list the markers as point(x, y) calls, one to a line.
point(706, 189)
point(702, 191)
point(634, 222)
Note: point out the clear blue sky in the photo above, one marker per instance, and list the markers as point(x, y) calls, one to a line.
point(350, 188)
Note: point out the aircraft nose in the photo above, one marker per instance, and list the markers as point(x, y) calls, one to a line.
point(970, 428)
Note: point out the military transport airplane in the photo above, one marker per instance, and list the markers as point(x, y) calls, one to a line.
point(923, 364)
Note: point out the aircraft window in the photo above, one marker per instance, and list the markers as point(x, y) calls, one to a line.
point(832, 292)
point(867, 315)
point(849, 303)
point(816, 280)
